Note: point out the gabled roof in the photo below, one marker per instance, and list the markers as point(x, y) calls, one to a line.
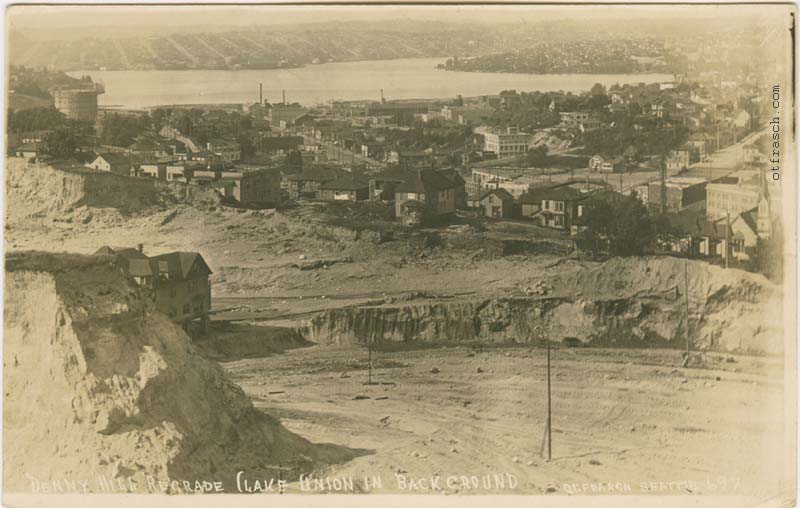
point(116, 159)
point(315, 175)
point(178, 144)
point(691, 223)
point(347, 182)
point(126, 252)
point(750, 217)
point(179, 265)
point(139, 268)
point(453, 175)
point(561, 194)
point(394, 173)
point(425, 181)
point(533, 196)
point(135, 262)
point(501, 193)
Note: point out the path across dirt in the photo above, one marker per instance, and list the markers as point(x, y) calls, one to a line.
point(624, 421)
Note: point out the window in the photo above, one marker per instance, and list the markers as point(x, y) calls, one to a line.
point(173, 292)
point(186, 308)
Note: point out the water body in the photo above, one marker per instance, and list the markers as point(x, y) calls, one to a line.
point(410, 78)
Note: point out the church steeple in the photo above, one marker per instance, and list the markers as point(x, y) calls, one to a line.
point(764, 221)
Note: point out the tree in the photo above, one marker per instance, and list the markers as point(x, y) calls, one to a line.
point(35, 119)
point(122, 130)
point(623, 226)
point(598, 89)
point(294, 160)
point(61, 143)
point(246, 143)
point(537, 156)
point(768, 256)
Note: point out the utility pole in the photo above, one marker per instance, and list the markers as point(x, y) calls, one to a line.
point(686, 300)
point(663, 174)
point(547, 435)
point(549, 417)
point(369, 378)
point(727, 236)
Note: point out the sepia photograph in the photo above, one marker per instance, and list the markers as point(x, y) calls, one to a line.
point(448, 253)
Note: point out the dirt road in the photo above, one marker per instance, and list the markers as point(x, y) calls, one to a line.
point(624, 422)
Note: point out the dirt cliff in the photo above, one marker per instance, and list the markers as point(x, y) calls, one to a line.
point(40, 190)
point(632, 302)
point(98, 383)
point(81, 195)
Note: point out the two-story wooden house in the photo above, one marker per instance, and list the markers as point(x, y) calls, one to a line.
point(181, 287)
point(428, 187)
point(177, 282)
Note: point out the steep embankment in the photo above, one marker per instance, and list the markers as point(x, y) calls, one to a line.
point(40, 190)
point(82, 195)
point(98, 383)
point(634, 302)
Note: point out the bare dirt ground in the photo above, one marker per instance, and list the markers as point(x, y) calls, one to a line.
point(624, 421)
point(628, 417)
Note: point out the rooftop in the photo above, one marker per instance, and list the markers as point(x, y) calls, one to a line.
point(425, 180)
point(347, 182)
point(179, 265)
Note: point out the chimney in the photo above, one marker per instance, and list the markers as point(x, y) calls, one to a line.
point(140, 247)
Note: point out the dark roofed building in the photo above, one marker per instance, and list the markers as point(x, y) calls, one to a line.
point(116, 163)
point(559, 207)
point(459, 183)
point(345, 188)
point(182, 290)
point(28, 150)
point(704, 238)
point(307, 183)
point(177, 282)
point(497, 203)
point(530, 202)
point(429, 187)
point(135, 263)
point(382, 185)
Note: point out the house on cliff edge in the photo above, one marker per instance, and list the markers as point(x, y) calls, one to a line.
point(177, 281)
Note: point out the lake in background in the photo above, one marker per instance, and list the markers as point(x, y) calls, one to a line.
point(410, 78)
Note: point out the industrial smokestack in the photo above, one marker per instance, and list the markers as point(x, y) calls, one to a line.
point(284, 97)
point(261, 93)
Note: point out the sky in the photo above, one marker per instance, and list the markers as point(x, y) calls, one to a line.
point(58, 22)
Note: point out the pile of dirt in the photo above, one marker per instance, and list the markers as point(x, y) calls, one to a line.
point(637, 302)
point(551, 139)
point(39, 190)
point(229, 341)
point(202, 197)
point(98, 383)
